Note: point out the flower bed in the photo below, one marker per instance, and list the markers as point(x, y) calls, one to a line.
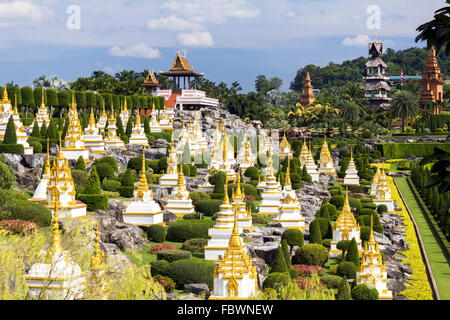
point(420, 288)
point(307, 271)
point(21, 227)
point(307, 283)
point(159, 247)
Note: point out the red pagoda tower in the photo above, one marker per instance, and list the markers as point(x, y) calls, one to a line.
point(307, 97)
point(432, 89)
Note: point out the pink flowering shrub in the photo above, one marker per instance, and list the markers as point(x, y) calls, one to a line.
point(167, 283)
point(308, 284)
point(307, 271)
point(249, 198)
point(21, 227)
point(159, 247)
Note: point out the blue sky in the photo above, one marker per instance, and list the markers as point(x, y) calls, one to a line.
point(228, 40)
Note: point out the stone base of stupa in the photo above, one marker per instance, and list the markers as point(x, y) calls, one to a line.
point(180, 208)
point(143, 214)
point(291, 222)
point(139, 140)
point(74, 154)
point(389, 204)
point(75, 212)
point(155, 129)
point(114, 143)
point(353, 181)
point(269, 207)
point(169, 180)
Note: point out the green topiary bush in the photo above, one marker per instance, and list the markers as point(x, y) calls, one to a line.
point(258, 219)
point(173, 255)
point(293, 237)
point(104, 170)
point(279, 263)
point(315, 234)
point(325, 228)
point(364, 233)
point(311, 254)
point(331, 281)
point(195, 246)
point(160, 267)
point(27, 210)
point(364, 292)
point(79, 177)
point(343, 290)
point(252, 173)
point(156, 233)
point(276, 281)
point(347, 269)
point(94, 201)
point(36, 145)
point(126, 192)
point(80, 165)
point(352, 253)
point(332, 212)
point(337, 201)
point(208, 207)
point(111, 185)
point(183, 230)
point(188, 271)
point(7, 177)
point(197, 196)
point(382, 208)
point(12, 148)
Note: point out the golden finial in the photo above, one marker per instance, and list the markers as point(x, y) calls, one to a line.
point(5, 95)
point(92, 118)
point(154, 108)
point(73, 105)
point(16, 111)
point(180, 178)
point(138, 119)
point(55, 244)
point(371, 237)
point(235, 239)
point(287, 179)
point(125, 109)
point(97, 257)
point(47, 161)
point(226, 199)
point(238, 193)
point(42, 99)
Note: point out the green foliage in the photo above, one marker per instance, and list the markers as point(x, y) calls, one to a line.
point(343, 245)
point(183, 230)
point(347, 269)
point(36, 145)
point(36, 131)
point(279, 263)
point(79, 177)
point(352, 253)
point(403, 150)
point(364, 292)
point(328, 209)
point(93, 183)
point(188, 271)
point(364, 232)
point(7, 177)
point(325, 228)
point(218, 180)
point(331, 281)
point(28, 97)
point(94, 201)
point(26, 210)
point(10, 133)
point(111, 185)
point(195, 246)
point(129, 128)
point(252, 173)
point(160, 268)
point(156, 233)
point(11, 148)
point(208, 207)
point(128, 178)
point(337, 201)
point(276, 280)
point(80, 165)
point(294, 237)
point(44, 131)
point(109, 160)
point(382, 208)
point(315, 234)
point(311, 254)
point(173, 255)
point(126, 191)
point(343, 290)
point(197, 196)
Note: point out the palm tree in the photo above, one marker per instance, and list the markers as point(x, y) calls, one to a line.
point(437, 31)
point(350, 111)
point(404, 105)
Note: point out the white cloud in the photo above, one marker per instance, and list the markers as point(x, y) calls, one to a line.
point(23, 13)
point(360, 40)
point(196, 39)
point(140, 50)
point(173, 23)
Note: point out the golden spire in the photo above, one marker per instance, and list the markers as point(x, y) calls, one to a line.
point(287, 179)
point(112, 117)
point(55, 243)
point(154, 109)
point(138, 119)
point(92, 118)
point(73, 105)
point(180, 178)
point(172, 144)
point(15, 105)
point(47, 161)
point(125, 104)
point(60, 155)
point(143, 185)
point(103, 110)
point(235, 240)
point(97, 257)
point(42, 99)
point(371, 237)
point(5, 95)
point(225, 148)
point(238, 194)
point(226, 199)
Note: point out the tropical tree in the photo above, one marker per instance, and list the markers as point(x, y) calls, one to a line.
point(404, 105)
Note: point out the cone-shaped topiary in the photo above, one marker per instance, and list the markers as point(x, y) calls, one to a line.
point(93, 183)
point(81, 165)
point(52, 132)
point(36, 131)
point(129, 128)
point(146, 126)
point(287, 255)
point(343, 290)
point(44, 130)
point(352, 253)
point(279, 263)
point(315, 235)
point(128, 178)
point(325, 213)
point(120, 131)
point(10, 133)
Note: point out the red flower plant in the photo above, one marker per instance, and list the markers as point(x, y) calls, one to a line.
point(159, 247)
point(21, 227)
point(307, 271)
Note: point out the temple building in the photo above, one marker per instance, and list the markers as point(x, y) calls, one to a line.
point(432, 86)
point(221, 232)
point(154, 122)
point(170, 178)
point(326, 164)
point(74, 141)
point(307, 97)
point(180, 203)
point(374, 184)
point(285, 148)
point(271, 195)
point(345, 228)
point(61, 189)
point(143, 210)
point(375, 85)
point(289, 214)
point(234, 276)
point(304, 153)
point(383, 193)
point(40, 193)
point(165, 122)
point(311, 167)
point(184, 94)
point(372, 270)
point(57, 277)
point(102, 121)
point(5, 112)
point(112, 140)
point(351, 174)
point(138, 134)
point(150, 84)
point(245, 219)
point(124, 114)
point(93, 140)
point(21, 135)
point(42, 114)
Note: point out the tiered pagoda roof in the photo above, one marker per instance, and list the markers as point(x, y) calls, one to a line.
point(180, 67)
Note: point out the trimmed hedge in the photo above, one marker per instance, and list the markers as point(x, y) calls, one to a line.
point(364, 292)
point(403, 150)
point(173, 255)
point(126, 192)
point(183, 230)
point(188, 271)
point(331, 281)
point(293, 237)
point(208, 207)
point(29, 211)
point(94, 201)
point(160, 267)
point(195, 246)
point(276, 280)
point(197, 196)
point(156, 233)
point(111, 185)
point(311, 254)
point(347, 269)
point(12, 148)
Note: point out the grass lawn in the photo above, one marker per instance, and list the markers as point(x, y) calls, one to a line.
point(439, 264)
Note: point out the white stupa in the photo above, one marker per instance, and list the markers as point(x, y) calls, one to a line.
point(154, 123)
point(351, 175)
point(170, 178)
point(112, 140)
point(138, 134)
point(42, 114)
point(271, 195)
point(384, 193)
point(6, 111)
point(102, 121)
point(180, 202)
point(40, 194)
point(93, 140)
